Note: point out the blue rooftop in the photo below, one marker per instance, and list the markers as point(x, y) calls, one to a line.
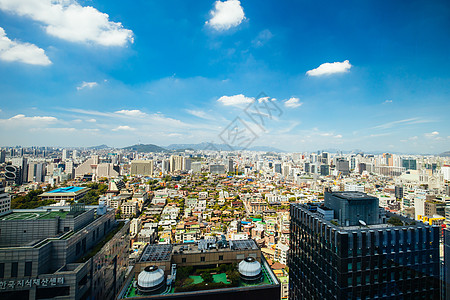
point(69, 189)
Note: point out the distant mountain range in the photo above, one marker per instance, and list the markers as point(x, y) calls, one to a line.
point(100, 147)
point(219, 147)
point(446, 153)
point(146, 148)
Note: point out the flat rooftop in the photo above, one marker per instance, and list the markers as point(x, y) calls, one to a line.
point(36, 215)
point(157, 252)
point(65, 190)
point(219, 277)
point(352, 195)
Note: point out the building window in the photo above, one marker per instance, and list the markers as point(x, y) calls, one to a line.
point(2, 270)
point(28, 268)
point(14, 269)
point(183, 259)
point(202, 258)
point(220, 257)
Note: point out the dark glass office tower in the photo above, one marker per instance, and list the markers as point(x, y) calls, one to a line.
point(383, 256)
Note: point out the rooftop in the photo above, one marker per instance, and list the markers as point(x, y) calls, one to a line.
point(69, 189)
point(35, 215)
point(220, 281)
point(352, 195)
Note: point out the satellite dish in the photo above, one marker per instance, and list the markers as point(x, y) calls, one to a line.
point(362, 223)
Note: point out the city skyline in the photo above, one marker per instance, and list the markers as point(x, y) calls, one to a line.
point(371, 76)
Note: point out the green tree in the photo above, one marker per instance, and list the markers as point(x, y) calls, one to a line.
point(207, 277)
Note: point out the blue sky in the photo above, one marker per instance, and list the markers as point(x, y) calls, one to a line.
point(370, 75)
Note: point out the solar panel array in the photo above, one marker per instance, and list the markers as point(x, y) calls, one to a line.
point(157, 253)
point(244, 245)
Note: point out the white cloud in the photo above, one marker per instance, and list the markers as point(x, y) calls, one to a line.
point(22, 52)
point(131, 113)
point(226, 15)
point(413, 138)
point(330, 68)
point(68, 20)
point(433, 134)
point(85, 84)
point(21, 119)
point(91, 120)
point(410, 121)
point(293, 103)
point(338, 136)
point(123, 127)
point(200, 114)
point(235, 100)
point(387, 101)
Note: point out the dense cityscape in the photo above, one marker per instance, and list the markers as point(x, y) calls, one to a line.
point(105, 223)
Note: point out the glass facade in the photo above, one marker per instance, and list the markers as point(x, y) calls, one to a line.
point(330, 262)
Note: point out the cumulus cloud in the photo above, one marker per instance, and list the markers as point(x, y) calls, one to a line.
point(330, 68)
point(131, 113)
point(21, 52)
point(123, 128)
point(68, 20)
point(387, 101)
point(338, 136)
point(226, 15)
point(293, 103)
point(235, 100)
point(85, 84)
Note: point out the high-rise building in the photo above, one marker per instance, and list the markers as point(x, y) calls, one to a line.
point(5, 200)
point(217, 169)
point(277, 168)
point(186, 163)
point(21, 162)
point(2, 156)
point(13, 175)
point(387, 159)
point(324, 170)
point(230, 165)
point(176, 163)
point(165, 166)
point(344, 249)
point(64, 154)
point(196, 167)
point(35, 172)
point(342, 166)
point(398, 192)
point(62, 253)
point(142, 167)
point(409, 164)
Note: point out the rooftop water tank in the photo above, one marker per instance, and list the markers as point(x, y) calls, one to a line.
point(250, 269)
point(151, 279)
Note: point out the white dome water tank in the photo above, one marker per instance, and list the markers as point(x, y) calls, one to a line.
point(151, 279)
point(250, 269)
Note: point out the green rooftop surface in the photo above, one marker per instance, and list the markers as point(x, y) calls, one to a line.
point(34, 215)
point(222, 277)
